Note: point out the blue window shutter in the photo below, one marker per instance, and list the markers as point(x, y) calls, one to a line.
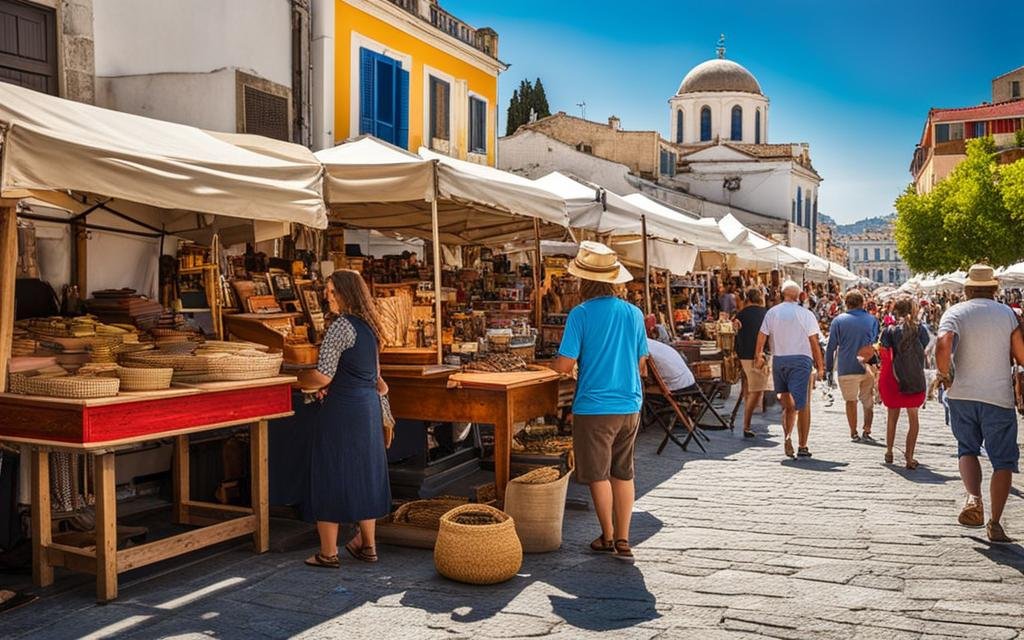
point(384, 101)
point(366, 91)
point(402, 108)
point(736, 132)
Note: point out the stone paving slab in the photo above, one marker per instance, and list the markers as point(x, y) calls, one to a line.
point(738, 543)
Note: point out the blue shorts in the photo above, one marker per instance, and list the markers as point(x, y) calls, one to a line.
point(792, 375)
point(976, 424)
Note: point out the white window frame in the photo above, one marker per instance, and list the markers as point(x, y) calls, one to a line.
point(359, 41)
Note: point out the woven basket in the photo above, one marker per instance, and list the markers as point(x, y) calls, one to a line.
point(73, 387)
point(215, 367)
point(139, 379)
point(478, 553)
point(538, 510)
point(541, 475)
point(425, 513)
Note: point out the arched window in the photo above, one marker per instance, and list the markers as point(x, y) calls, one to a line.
point(737, 124)
point(799, 207)
point(679, 126)
point(757, 127)
point(705, 123)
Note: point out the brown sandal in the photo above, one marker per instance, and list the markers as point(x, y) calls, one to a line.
point(602, 545)
point(363, 554)
point(623, 551)
point(888, 457)
point(911, 464)
point(324, 562)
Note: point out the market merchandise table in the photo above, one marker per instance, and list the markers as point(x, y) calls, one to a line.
point(445, 394)
point(101, 426)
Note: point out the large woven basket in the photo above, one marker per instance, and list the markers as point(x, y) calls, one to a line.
point(73, 387)
point(478, 553)
point(425, 513)
point(244, 365)
point(538, 507)
point(139, 379)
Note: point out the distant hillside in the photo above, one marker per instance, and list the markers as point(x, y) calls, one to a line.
point(878, 223)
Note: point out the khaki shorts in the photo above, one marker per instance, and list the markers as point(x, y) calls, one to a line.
point(603, 446)
point(858, 386)
point(757, 379)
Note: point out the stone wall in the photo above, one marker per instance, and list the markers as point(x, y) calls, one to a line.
point(77, 51)
point(638, 150)
point(1001, 85)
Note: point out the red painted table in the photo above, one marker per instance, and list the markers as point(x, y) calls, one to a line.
point(101, 426)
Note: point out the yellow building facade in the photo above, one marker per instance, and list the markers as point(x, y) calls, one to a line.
point(413, 75)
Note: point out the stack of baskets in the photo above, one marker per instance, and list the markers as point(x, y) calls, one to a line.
point(210, 367)
point(477, 544)
point(144, 379)
point(426, 513)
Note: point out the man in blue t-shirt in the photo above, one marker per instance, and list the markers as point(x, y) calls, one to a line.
point(604, 336)
point(849, 337)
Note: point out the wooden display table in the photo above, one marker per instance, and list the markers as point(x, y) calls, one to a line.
point(444, 394)
point(99, 427)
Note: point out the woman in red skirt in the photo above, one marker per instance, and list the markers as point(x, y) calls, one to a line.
point(902, 384)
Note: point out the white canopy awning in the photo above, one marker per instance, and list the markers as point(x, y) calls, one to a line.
point(51, 145)
point(371, 184)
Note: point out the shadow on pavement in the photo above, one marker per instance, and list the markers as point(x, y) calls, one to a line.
point(921, 475)
point(815, 464)
point(1009, 555)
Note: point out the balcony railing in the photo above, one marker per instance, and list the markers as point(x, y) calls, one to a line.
point(484, 40)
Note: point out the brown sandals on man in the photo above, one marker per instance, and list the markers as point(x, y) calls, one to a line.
point(623, 551)
point(602, 545)
point(911, 464)
point(324, 562)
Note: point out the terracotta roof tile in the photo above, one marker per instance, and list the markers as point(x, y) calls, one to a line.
point(1009, 109)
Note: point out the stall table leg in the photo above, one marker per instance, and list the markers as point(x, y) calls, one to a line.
point(503, 448)
point(106, 529)
point(42, 527)
point(181, 480)
point(260, 485)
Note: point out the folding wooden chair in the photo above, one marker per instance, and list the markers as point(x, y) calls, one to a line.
point(664, 397)
point(698, 398)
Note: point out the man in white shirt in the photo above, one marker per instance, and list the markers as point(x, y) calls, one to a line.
point(670, 365)
point(796, 350)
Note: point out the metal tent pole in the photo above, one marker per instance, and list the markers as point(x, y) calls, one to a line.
point(436, 232)
point(647, 267)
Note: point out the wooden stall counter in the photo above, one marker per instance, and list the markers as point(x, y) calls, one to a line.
point(100, 426)
point(439, 393)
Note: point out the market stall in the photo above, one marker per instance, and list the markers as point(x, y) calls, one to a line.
point(474, 209)
point(124, 173)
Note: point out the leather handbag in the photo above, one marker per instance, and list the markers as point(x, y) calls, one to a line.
point(387, 418)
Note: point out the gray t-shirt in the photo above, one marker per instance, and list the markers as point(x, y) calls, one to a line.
point(981, 356)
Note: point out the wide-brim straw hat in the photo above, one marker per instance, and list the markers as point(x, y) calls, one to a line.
point(594, 261)
point(981, 275)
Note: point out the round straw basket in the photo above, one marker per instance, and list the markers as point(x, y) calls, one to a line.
point(73, 387)
point(425, 513)
point(477, 553)
point(144, 379)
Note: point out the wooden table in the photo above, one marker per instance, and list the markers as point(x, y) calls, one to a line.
point(443, 394)
point(99, 427)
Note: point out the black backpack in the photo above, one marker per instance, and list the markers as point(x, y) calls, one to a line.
point(907, 362)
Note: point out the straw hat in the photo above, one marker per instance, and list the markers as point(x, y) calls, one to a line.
point(594, 261)
point(981, 275)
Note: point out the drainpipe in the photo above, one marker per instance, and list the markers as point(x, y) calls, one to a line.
point(322, 58)
point(301, 72)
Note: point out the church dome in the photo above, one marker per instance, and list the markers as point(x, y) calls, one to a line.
point(719, 74)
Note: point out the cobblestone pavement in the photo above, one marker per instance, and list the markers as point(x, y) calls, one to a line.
point(735, 544)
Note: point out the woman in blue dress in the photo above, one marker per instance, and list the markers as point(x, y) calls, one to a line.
point(348, 465)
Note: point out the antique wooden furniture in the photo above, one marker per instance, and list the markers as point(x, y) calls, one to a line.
point(277, 331)
point(443, 394)
point(99, 427)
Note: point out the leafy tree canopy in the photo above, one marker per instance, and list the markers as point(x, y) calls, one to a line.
point(976, 214)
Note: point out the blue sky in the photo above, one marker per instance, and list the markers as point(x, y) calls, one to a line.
point(854, 79)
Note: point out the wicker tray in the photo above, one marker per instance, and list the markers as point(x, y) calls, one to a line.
point(76, 387)
point(216, 367)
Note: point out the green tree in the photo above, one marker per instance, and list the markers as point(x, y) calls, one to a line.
point(974, 214)
point(1018, 136)
point(528, 98)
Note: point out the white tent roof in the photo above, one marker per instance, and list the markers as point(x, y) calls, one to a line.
point(704, 233)
point(371, 184)
point(53, 145)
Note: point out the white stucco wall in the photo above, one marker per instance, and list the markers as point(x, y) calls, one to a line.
point(764, 186)
point(204, 100)
point(721, 105)
point(139, 37)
